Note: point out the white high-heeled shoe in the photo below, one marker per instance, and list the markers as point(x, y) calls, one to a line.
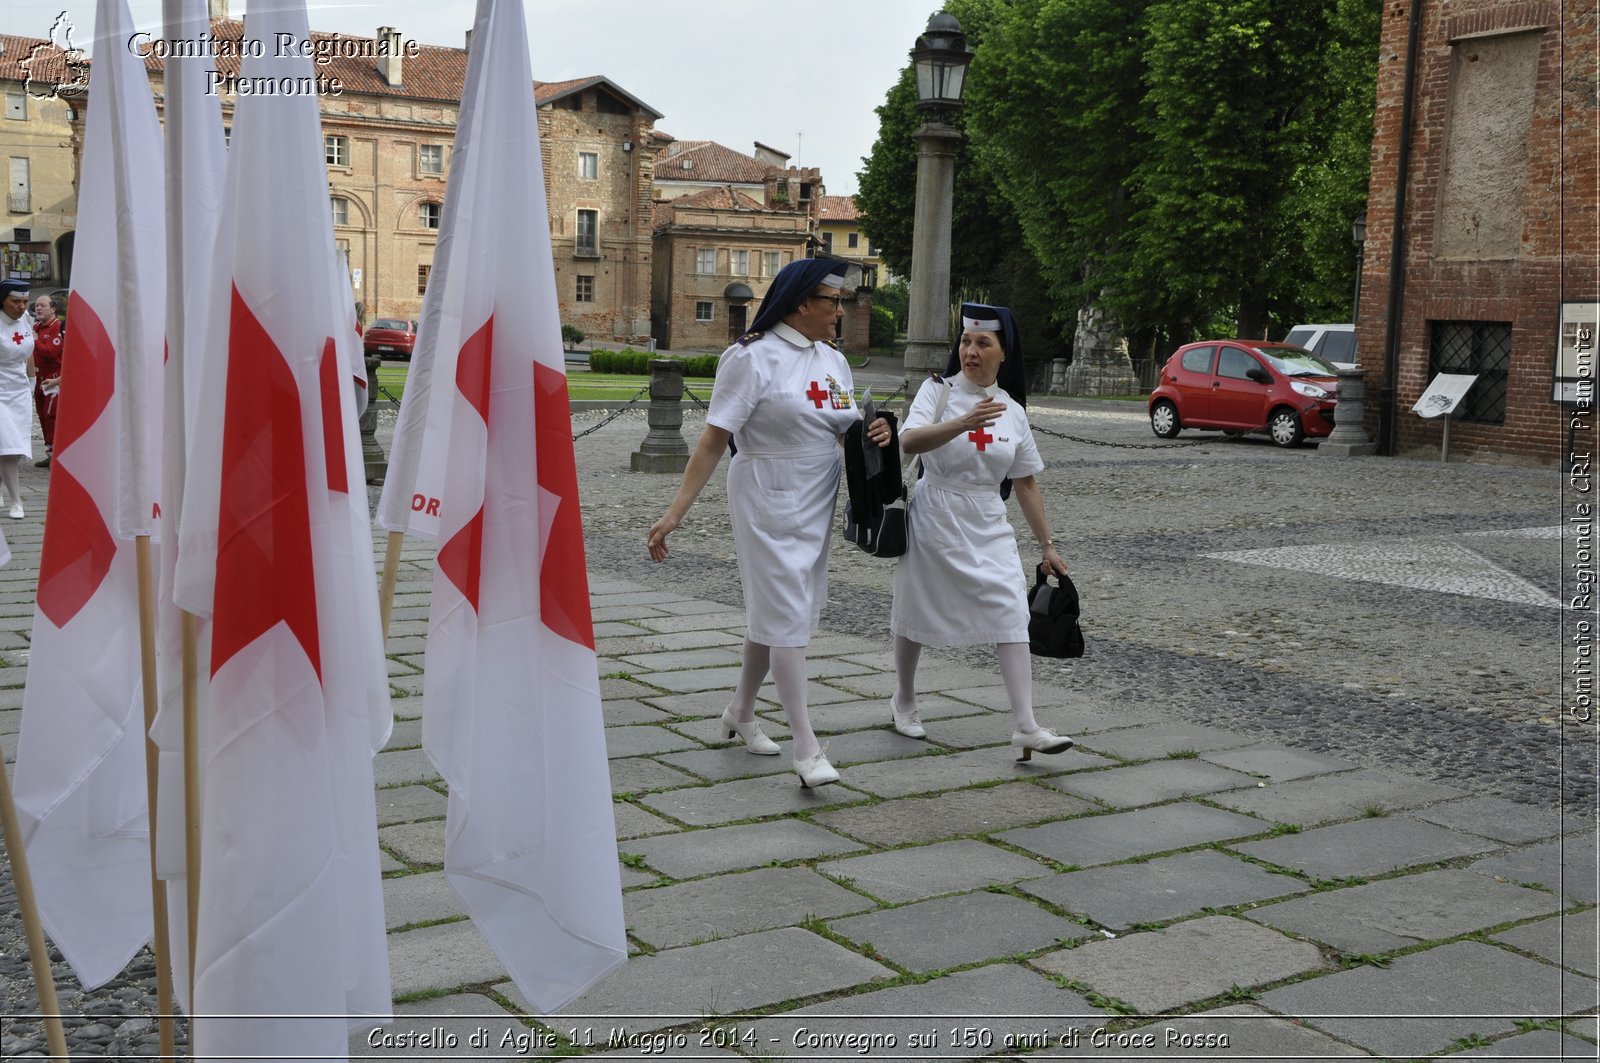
point(907, 723)
point(755, 741)
point(815, 771)
point(1043, 740)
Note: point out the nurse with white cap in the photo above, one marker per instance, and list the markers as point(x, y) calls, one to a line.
point(961, 581)
point(783, 396)
point(16, 388)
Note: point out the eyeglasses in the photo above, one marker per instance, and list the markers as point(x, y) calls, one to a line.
point(836, 300)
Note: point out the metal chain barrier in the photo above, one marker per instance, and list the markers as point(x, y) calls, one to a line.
point(696, 399)
point(1125, 446)
point(614, 414)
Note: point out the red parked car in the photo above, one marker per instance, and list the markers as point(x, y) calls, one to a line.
point(1245, 386)
point(390, 337)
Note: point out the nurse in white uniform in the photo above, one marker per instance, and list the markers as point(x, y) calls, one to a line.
point(783, 396)
point(961, 581)
point(16, 388)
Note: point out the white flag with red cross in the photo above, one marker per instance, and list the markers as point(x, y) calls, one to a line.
point(291, 950)
point(80, 773)
point(511, 695)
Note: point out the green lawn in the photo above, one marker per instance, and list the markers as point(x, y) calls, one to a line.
point(593, 386)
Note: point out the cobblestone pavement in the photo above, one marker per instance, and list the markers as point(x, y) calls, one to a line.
point(1322, 803)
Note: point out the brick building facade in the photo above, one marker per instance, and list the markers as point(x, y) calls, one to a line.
point(1500, 218)
point(40, 209)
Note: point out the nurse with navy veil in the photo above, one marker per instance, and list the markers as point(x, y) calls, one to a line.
point(961, 581)
point(783, 396)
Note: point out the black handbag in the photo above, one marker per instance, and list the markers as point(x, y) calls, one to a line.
point(1053, 629)
point(875, 514)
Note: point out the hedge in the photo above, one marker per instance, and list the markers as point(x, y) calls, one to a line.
point(629, 362)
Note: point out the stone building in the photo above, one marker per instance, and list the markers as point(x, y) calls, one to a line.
point(839, 229)
point(1500, 251)
point(387, 137)
point(36, 141)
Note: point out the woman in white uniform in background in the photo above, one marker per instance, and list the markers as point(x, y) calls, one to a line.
point(16, 388)
point(783, 395)
point(961, 581)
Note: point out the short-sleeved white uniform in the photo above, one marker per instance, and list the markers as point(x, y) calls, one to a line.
point(16, 390)
point(961, 582)
point(786, 400)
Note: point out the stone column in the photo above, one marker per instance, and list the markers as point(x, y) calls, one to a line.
point(928, 316)
point(664, 449)
point(1349, 437)
point(371, 452)
point(1058, 376)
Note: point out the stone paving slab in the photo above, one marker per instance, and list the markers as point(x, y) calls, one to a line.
point(441, 957)
point(727, 905)
point(971, 732)
point(1495, 817)
point(1162, 889)
point(1277, 763)
point(672, 660)
point(1003, 1002)
point(901, 778)
point(690, 853)
point(624, 711)
point(1047, 693)
point(1308, 802)
point(925, 819)
point(387, 863)
point(1106, 839)
point(929, 870)
point(445, 1027)
point(1566, 865)
point(1397, 913)
point(610, 628)
point(415, 843)
point(403, 804)
point(614, 688)
point(866, 747)
point(1365, 847)
point(405, 734)
point(1540, 1046)
point(1238, 1032)
point(1152, 783)
point(708, 731)
point(855, 715)
point(1422, 1002)
point(608, 613)
point(699, 622)
point(700, 703)
point(703, 806)
point(632, 775)
point(717, 978)
point(644, 740)
point(420, 898)
point(1151, 743)
point(955, 931)
point(643, 642)
point(1567, 939)
point(403, 767)
point(731, 762)
point(1159, 971)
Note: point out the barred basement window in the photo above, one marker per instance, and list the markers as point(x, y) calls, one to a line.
point(584, 292)
point(1480, 347)
point(422, 277)
point(702, 311)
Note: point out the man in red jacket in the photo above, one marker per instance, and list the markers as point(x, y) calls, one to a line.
point(50, 332)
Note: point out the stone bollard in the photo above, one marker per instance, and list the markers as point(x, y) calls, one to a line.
point(1058, 376)
point(371, 452)
point(1349, 436)
point(664, 450)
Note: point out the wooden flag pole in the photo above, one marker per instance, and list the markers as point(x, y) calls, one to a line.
point(189, 628)
point(391, 566)
point(158, 888)
point(38, 954)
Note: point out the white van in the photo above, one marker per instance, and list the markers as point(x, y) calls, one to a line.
point(1334, 343)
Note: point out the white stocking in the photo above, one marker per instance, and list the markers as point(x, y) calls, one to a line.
point(752, 673)
point(8, 476)
point(906, 654)
point(789, 675)
point(1016, 670)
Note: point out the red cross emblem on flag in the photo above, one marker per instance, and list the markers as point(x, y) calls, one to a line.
point(980, 438)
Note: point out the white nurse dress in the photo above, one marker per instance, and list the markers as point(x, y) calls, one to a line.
point(16, 390)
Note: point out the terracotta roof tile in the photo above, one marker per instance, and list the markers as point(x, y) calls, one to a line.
point(722, 197)
point(708, 161)
point(839, 208)
point(20, 56)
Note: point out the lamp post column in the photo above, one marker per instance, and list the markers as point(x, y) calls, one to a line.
point(928, 316)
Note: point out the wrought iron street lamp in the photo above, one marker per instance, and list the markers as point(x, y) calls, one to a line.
point(941, 59)
point(1358, 233)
